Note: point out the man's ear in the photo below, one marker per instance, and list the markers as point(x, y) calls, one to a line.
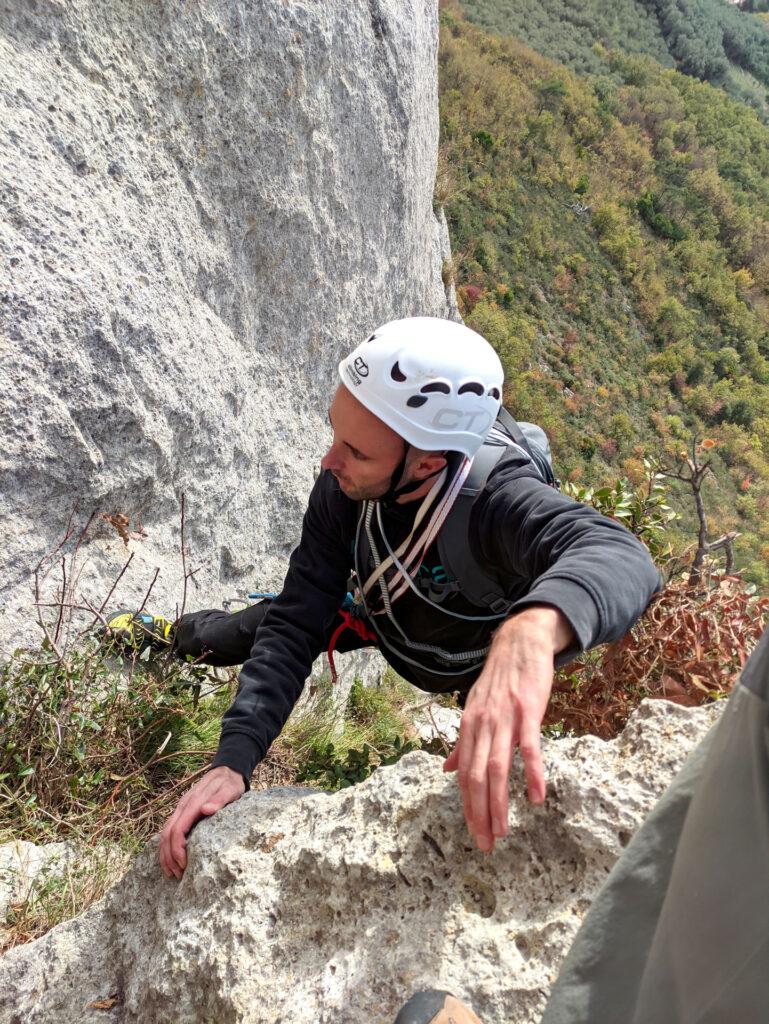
point(428, 464)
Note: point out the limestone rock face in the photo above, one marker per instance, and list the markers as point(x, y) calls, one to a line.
point(308, 907)
point(202, 207)
point(23, 865)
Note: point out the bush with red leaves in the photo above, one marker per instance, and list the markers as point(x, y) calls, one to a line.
point(689, 648)
point(468, 296)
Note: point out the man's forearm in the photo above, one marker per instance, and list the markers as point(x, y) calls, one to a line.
point(586, 565)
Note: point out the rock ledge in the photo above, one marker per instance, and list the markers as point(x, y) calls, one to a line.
point(307, 907)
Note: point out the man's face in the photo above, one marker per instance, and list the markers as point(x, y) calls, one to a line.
point(365, 451)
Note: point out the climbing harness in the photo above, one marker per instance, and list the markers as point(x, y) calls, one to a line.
point(451, 533)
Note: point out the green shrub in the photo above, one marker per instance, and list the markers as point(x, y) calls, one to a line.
point(643, 510)
point(484, 139)
point(91, 736)
point(658, 221)
point(332, 768)
point(583, 185)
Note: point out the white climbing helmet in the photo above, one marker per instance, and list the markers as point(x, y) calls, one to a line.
point(435, 382)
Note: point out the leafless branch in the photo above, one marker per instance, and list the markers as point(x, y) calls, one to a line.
point(86, 606)
point(40, 619)
point(118, 578)
point(184, 559)
point(57, 631)
point(726, 543)
point(694, 476)
point(146, 597)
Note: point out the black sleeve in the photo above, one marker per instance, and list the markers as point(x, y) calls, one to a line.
point(568, 555)
point(293, 631)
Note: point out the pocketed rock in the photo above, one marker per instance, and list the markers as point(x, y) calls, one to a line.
point(300, 907)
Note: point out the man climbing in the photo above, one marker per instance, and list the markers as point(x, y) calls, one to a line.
point(473, 574)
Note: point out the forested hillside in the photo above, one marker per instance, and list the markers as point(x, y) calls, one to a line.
point(709, 39)
point(611, 236)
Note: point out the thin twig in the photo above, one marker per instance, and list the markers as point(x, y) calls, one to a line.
point(73, 605)
point(82, 536)
point(439, 734)
point(117, 580)
point(149, 591)
point(68, 589)
point(420, 707)
point(184, 559)
point(98, 617)
point(57, 631)
point(40, 620)
point(151, 807)
point(154, 760)
point(67, 534)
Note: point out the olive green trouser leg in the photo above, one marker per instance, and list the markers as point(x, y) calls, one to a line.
point(679, 933)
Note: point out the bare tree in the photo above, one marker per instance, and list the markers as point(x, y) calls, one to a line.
point(693, 473)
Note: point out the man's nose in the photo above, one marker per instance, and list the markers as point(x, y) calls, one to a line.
point(331, 459)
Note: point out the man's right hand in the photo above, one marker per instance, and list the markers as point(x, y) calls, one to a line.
point(217, 788)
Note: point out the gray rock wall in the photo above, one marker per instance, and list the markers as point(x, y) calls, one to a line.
point(202, 207)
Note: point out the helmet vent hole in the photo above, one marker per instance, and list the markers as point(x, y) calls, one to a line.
point(397, 374)
point(475, 388)
point(494, 393)
point(436, 386)
point(373, 336)
point(416, 400)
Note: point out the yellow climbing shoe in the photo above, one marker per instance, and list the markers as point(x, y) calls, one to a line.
point(139, 630)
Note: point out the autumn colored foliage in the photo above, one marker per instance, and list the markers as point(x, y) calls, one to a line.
point(610, 237)
point(689, 648)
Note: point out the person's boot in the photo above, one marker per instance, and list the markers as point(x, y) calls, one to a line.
point(139, 630)
point(433, 1007)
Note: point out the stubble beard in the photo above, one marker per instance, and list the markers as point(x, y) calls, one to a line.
point(369, 493)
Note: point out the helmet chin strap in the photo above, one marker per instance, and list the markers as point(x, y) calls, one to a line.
point(394, 491)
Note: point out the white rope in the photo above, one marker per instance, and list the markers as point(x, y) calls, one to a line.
point(421, 513)
point(403, 559)
point(406, 570)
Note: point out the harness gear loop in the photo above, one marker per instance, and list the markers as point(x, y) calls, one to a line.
point(349, 621)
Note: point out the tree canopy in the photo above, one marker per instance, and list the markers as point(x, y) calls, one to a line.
point(611, 238)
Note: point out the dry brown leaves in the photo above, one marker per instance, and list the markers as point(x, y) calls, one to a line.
point(121, 524)
point(689, 648)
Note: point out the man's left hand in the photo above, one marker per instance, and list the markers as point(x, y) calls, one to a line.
point(504, 710)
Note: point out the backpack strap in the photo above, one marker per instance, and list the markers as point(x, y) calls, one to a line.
point(512, 427)
point(453, 543)
point(534, 441)
point(454, 539)
point(464, 573)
